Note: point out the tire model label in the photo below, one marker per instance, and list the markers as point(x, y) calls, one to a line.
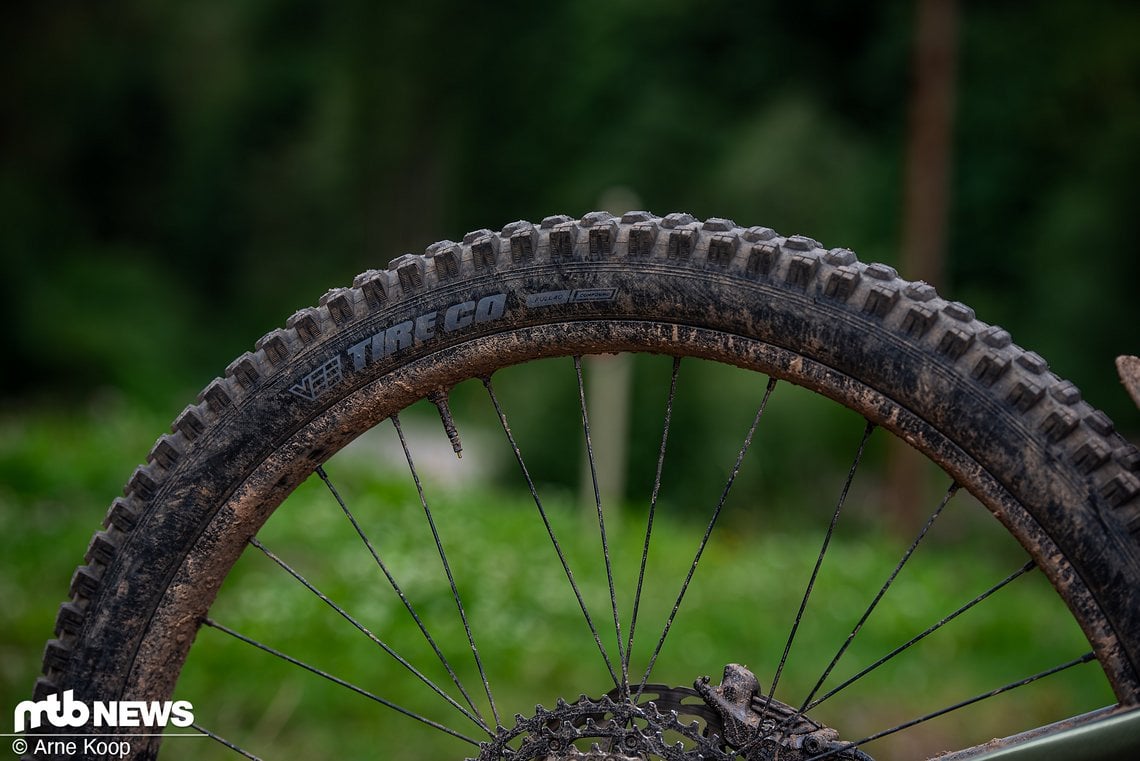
point(427, 326)
point(398, 337)
point(579, 296)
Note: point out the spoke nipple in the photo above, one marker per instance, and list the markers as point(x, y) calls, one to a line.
point(439, 399)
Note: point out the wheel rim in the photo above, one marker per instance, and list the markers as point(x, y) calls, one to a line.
point(251, 504)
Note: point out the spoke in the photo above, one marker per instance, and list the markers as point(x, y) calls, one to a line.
point(1087, 657)
point(447, 568)
point(364, 630)
point(219, 739)
point(601, 524)
point(550, 530)
point(1029, 566)
point(336, 680)
point(882, 591)
point(652, 510)
point(819, 560)
point(400, 592)
point(708, 532)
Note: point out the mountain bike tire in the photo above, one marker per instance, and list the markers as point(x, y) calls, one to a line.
point(1049, 466)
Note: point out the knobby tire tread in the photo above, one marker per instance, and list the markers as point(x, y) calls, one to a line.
point(710, 273)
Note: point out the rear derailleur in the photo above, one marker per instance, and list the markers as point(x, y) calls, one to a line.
point(760, 728)
point(728, 722)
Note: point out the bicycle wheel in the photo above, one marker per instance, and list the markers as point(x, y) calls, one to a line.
point(987, 412)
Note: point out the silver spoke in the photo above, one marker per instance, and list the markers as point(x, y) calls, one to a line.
point(819, 559)
point(1029, 566)
point(223, 741)
point(336, 680)
point(1086, 658)
point(447, 569)
point(652, 509)
point(708, 532)
point(882, 591)
point(550, 529)
point(364, 630)
point(399, 591)
point(601, 522)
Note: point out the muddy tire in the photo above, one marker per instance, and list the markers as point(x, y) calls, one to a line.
point(990, 413)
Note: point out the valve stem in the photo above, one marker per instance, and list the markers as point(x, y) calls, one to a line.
point(439, 399)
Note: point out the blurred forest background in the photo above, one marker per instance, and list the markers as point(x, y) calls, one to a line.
point(177, 178)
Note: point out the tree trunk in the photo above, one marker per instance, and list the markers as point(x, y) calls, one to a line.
point(926, 199)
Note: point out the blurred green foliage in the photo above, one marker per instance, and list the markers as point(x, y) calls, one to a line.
point(530, 632)
point(536, 646)
point(176, 178)
point(57, 470)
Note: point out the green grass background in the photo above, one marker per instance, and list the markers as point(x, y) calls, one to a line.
point(60, 470)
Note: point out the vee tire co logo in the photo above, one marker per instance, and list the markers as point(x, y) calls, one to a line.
point(396, 338)
point(69, 712)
